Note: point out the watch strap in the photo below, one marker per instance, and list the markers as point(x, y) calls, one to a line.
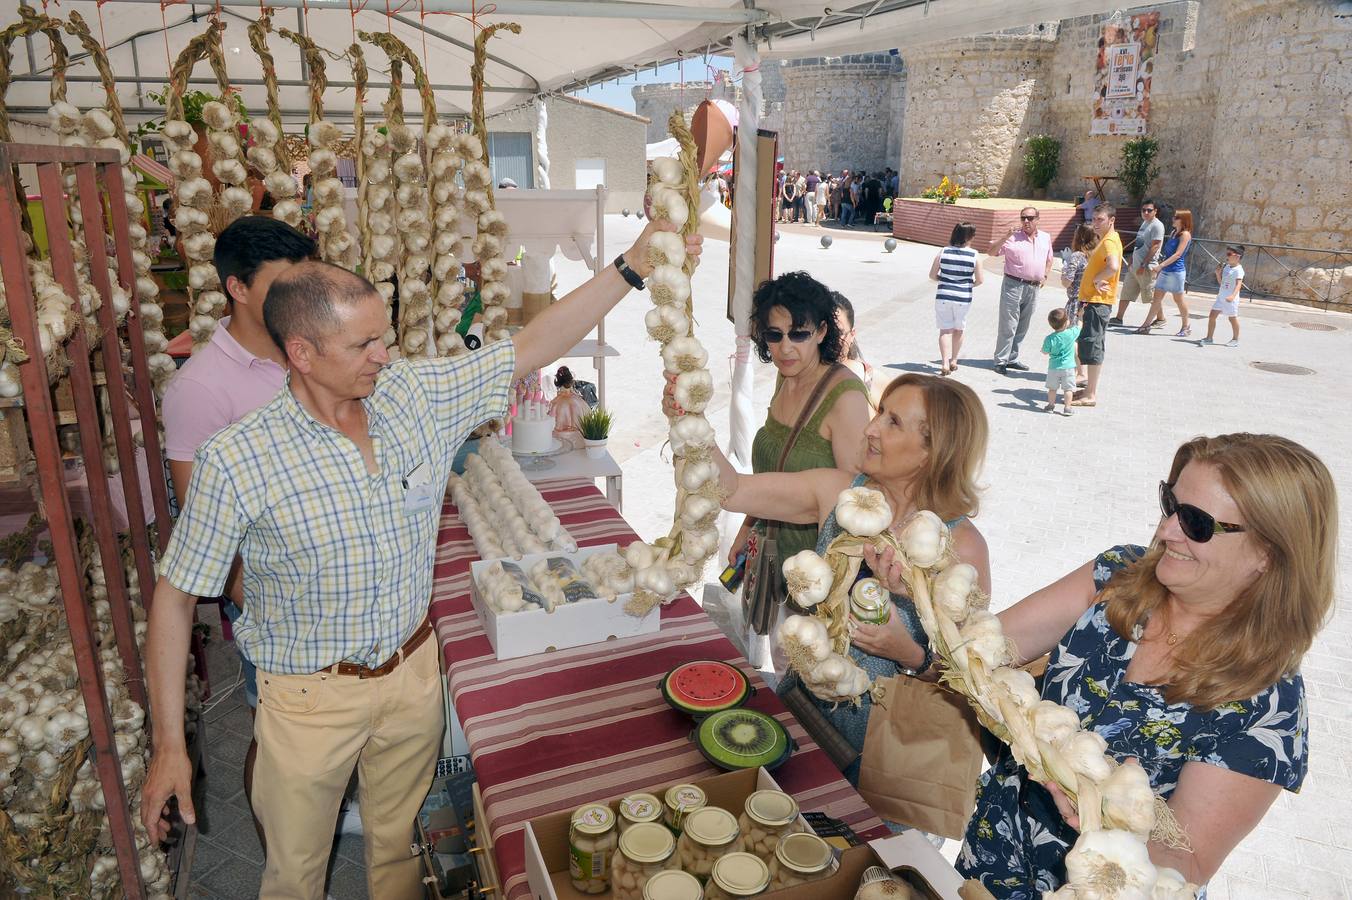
point(634, 279)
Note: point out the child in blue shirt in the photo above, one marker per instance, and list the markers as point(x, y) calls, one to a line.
point(1060, 349)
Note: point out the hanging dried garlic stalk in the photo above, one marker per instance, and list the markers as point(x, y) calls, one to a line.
point(335, 241)
point(268, 154)
point(412, 221)
point(491, 226)
point(375, 199)
point(677, 561)
point(223, 136)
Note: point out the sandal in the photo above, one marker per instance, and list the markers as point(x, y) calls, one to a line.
point(1184, 332)
point(1144, 329)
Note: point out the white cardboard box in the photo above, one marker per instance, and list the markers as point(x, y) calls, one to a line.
point(533, 631)
point(909, 854)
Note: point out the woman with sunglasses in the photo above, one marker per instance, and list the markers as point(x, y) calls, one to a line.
point(1172, 272)
point(794, 326)
point(923, 450)
point(1185, 656)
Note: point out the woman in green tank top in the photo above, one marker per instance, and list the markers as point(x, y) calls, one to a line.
point(795, 327)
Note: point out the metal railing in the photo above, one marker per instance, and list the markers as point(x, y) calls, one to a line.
point(1292, 282)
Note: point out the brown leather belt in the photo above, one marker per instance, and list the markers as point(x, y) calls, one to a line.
point(385, 668)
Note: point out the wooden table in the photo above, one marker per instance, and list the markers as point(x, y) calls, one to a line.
point(549, 732)
point(1098, 182)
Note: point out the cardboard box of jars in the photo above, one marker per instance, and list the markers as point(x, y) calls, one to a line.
point(909, 854)
point(576, 624)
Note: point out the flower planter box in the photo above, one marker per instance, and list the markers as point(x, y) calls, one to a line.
point(931, 222)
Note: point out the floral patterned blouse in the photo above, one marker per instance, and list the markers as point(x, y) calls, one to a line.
point(1016, 841)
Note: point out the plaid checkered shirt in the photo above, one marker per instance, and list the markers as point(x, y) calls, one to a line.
point(335, 567)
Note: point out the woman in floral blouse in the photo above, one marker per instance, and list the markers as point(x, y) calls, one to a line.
point(1184, 656)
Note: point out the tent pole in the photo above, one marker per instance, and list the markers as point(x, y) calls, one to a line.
point(596, 9)
point(744, 214)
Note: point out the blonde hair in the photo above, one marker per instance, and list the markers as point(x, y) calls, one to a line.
point(955, 436)
point(1289, 506)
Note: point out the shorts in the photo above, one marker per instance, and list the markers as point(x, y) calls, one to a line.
point(1061, 380)
point(1226, 307)
point(1137, 287)
point(247, 671)
point(1170, 282)
point(1073, 310)
point(950, 314)
point(1093, 326)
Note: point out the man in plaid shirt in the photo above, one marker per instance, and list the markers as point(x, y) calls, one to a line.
point(331, 494)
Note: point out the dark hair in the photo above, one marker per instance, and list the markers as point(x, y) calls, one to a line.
point(563, 378)
point(1058, 318)
point(1237, 248)
point(843, 302)
point(250, 241)
point(808, 302)
point(300, 302)
point(1107, 209)
point(962, 233)
point(1150, 202)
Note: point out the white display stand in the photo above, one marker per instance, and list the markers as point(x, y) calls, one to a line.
point(571, 223)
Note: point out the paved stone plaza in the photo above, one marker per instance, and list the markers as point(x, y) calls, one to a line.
point(1059, 490)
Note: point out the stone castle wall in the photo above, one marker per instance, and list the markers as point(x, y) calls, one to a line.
point(838, 112)
point(656, 101)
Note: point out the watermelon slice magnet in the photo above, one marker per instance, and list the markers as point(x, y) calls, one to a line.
point(704, 686)
point(743, 739)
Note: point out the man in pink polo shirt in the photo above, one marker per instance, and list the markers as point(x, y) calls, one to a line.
point(238, 371)
point(1028, 262)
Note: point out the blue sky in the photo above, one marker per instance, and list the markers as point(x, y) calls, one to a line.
point(618, 95)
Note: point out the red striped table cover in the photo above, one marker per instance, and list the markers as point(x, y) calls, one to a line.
point(550, 732)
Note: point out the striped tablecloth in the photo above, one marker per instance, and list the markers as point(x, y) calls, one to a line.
point(549, 732)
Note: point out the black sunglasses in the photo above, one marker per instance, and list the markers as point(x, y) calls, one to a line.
point(1198, 525)
point(1148, 209)
point(1028, 218)
point(797, 335)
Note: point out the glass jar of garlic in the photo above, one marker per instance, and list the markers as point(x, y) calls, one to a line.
point(736, 876)
point(681, 801)
point(673, 884)
point(709, 833)
point(869, 602)
point(767, 816)
point(638, 808)
point(592, 840)
point(801, 858)
point(645, 849)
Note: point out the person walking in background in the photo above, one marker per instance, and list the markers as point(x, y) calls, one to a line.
point(788, 194)
point(822, 188)
point(1098, 287)
point(1231, 278)
point(871, 191)
point(848, 191)
point(956, 269)
point(800, 198)
point(1028, 261)
point(1060, 349)
point(1138, 282)
point(810, 184)
point(1171, 272)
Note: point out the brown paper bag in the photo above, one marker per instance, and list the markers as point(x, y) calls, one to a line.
point(532, 304)
point(922, 757)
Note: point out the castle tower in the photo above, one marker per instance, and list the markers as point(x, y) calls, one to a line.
point(838, 111)
point(656, 101)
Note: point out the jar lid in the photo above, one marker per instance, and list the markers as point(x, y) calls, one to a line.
point(868, 594)
point(594, 818)
point(672, 884)
point(741, 874)
point(640, 808)
point(805, 853)
point(647, 842)
point(711, 826)
point(685, 796)
point(772, 808)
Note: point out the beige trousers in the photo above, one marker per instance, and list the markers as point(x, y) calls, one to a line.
point(311, 731)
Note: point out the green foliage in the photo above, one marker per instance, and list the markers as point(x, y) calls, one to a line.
point(976, 193)
point(595, 424)
point(1138, 168)
point(193, 101)
point(1041, 159)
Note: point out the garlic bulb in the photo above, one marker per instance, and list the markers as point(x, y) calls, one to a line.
point(808, 633)
point(694, 389)
point(683, 354)
point(668, 171)
point(668, 284)
point(1128, 800)
point(1112, 864)
point(1053, 722)
point(983, 636)
point(690, 432)
point(925, 538)
point(953, 590)
point(666, 323)
point(669, 204)
point(863, 512)
point(808, 577)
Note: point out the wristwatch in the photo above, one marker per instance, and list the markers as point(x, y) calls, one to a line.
point(635, 280)
point(924, 664)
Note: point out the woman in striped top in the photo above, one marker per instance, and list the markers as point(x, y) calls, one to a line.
point(957, 271)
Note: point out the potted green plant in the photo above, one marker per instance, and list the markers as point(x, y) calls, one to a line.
point(595, 428)
point(1138, 168)
point(1041, 159)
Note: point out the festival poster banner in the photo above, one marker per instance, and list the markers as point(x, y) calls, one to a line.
point(1126, 62)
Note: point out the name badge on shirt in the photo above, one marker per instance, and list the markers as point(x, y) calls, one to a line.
point(418, 494)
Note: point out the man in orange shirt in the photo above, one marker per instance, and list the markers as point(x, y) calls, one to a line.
point(1098, 290)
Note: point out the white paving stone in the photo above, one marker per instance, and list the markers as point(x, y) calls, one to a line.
point(1058, 490)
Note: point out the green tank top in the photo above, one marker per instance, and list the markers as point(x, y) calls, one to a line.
point(810, 451)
